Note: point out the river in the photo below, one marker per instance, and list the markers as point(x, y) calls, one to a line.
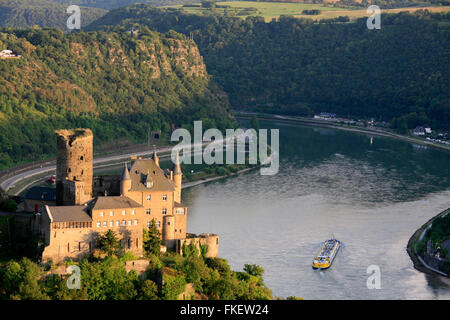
point(372, 193)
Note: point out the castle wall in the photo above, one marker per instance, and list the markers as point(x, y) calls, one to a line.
point(128, 226)
point(74, 162)
point(156, 204)
point(74, 243)
point(211, 240)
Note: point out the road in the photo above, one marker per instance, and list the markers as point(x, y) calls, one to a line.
point(98, 163)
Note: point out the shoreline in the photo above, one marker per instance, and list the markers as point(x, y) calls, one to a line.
point(202, 181)
point(417, 261)
point(318, 123)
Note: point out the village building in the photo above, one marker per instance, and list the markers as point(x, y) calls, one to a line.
point(8, 54)
point(147, 192)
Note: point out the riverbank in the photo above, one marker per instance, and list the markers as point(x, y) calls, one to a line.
point(325, 124)
point(214, 178)
point(418, 262)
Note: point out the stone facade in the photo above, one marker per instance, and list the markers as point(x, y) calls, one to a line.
point(209, 239)
point(145, 193)
point(74, 166)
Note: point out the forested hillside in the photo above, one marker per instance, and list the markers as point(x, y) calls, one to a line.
point(399, 73)
point(118, 84)
point(43, 13)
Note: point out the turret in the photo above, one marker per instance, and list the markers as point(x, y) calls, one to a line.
point(155, 156)
point(177, 177)
point(125, 181)
point(168, 231)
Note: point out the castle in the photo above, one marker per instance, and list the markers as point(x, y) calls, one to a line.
point(147, 192)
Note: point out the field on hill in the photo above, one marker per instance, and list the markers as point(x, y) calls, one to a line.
point(271, 10)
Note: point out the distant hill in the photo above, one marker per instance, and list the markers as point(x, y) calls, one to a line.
point(119, 85)
point(111, 4)
point(44, 13)
point(399, 73)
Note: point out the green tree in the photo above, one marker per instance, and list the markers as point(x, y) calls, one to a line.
point(152, 239)
point(148, 291)
point(109, 243)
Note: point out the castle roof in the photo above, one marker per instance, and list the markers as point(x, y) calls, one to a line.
point(69, 214)
point(145, 170)
point(125, 174)
point(113, 202)
point(176, 166)
point(178, 205)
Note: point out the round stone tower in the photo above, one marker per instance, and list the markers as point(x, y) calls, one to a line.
point(168, 231)
point(74, 166)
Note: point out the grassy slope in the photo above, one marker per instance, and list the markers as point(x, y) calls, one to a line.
point(272, 10)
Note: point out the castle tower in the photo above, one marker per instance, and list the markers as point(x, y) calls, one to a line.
point(155, 156)
point(74, 166)
point(168, 232)
point(125, 181)
point(177, 178)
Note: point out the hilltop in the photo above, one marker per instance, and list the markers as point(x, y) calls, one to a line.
point(399, 73)
point(44, 13)
point(119, 85)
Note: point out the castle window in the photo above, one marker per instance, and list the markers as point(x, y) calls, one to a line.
point(164, 211)
point(98, 224)
point(129, 222)
point(148, 224)
point(164, 197)
point(124, 212)
point(129, 243)
point(147, 211)
point(137, 242)
point(104, 223)
point(181, 230)
point(68, 247)
point(117, 223)
point(81, 158)
point(149, 197)
point(124, 223)
point(102, 214)
point(79, 246)
point(111, 213)
point(180, 211)
point(111, 223)
point(158, 224)
point(136, 222)
point(133, 212)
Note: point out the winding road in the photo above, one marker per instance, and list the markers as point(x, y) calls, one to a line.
point(99, 162)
